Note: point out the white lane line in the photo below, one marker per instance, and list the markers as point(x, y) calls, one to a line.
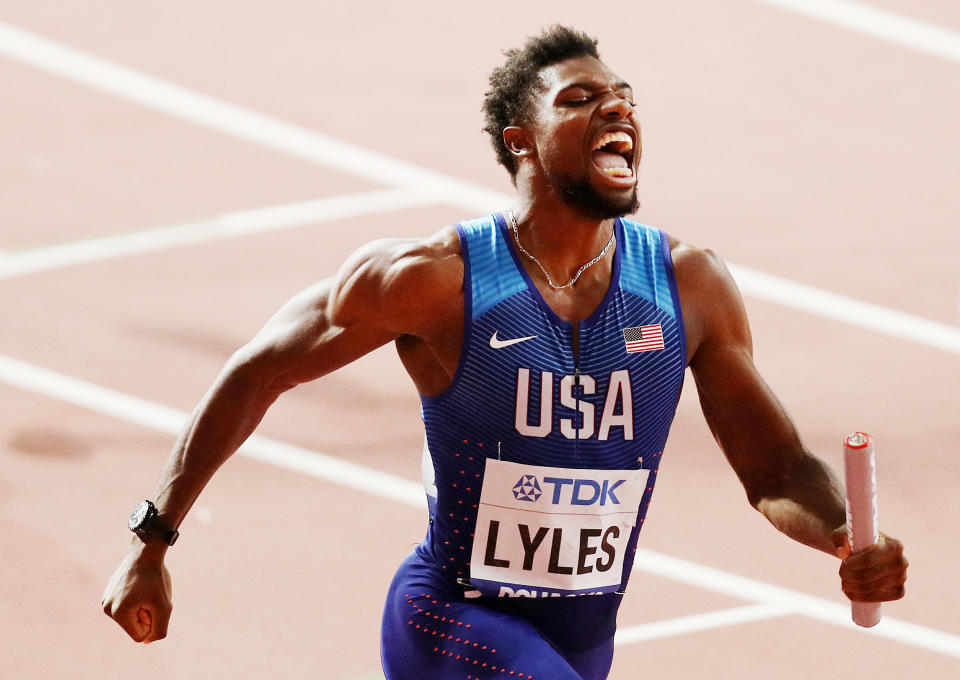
point(224, 226)
point(813, 607)
point(329, 468)
point(753, 283)
point(699, 622)
point(847, 310)
point(215, 114)
point(170, 421)
point(879, 23)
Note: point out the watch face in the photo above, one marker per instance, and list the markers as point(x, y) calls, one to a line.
point(138, 516)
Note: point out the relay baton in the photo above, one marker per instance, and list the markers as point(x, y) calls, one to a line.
point(860, 473)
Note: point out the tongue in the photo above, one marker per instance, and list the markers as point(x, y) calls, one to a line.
point(604, 160)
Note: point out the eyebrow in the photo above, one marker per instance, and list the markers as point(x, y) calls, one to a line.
point(593, 85)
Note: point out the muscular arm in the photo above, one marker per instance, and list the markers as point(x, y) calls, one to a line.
point(791, 487)
point(795, 490)
point(386, 290)
point(300, 343)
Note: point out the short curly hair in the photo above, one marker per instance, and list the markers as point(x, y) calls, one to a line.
point(509, 99)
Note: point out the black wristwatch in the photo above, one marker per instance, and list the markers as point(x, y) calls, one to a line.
point(145, 523)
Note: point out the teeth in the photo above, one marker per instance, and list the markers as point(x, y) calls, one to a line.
point(618, 172)
point(608, 137)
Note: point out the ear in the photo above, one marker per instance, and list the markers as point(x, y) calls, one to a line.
point(518, 141)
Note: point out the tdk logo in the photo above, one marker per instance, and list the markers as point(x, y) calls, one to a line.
point(583, 491)
point(527, 489)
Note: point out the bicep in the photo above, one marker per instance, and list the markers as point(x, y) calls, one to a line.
point(386, 289)
point(301, 342)
point(748, 421)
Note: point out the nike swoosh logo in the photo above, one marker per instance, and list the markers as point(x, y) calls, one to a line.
point(497, 343)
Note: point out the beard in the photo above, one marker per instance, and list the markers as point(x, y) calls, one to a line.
point(582, 195)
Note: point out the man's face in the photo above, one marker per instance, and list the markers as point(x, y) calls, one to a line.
point(587, 137)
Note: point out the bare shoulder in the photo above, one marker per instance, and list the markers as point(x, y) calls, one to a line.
point(696, 265)
point(712, 307)
point(407, 283)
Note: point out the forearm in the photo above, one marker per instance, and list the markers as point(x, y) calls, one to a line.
point(227, 415)
point(806, 503)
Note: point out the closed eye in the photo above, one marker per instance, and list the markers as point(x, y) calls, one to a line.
point(586, 99)
point(580, 93)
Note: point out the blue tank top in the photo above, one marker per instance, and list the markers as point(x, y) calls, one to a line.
point(540, 463)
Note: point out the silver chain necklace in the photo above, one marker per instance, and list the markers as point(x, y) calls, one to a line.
point(516, 236)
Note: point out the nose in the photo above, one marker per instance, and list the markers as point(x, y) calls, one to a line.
point(616, 108)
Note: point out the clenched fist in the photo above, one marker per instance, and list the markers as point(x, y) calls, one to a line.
point(139, 597)
point(875, 574)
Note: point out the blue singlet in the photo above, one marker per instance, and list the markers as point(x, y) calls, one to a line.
point(539, 465)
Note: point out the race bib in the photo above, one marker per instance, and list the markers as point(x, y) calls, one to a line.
point(549, 532)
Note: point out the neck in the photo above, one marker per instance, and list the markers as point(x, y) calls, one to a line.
point(561, 237)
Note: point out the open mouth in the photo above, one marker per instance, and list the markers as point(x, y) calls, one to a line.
point(613, 154)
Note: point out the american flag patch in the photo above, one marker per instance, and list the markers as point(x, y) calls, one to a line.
point(643, 338)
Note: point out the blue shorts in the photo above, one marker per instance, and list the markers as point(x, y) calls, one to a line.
point(431, 631)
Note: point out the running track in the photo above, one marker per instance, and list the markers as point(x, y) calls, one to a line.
point(171, 176)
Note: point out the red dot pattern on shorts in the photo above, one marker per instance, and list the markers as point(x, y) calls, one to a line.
point(458, 647)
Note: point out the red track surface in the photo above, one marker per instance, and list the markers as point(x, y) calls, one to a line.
point(789, 146)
